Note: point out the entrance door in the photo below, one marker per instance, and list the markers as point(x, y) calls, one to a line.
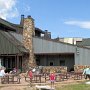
point(51, 63)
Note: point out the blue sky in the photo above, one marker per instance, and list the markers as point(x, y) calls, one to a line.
point(63, 18)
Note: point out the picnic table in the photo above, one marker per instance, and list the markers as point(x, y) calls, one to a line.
point(10, 78)
point(78, 75)
point(37, 77)
point(61, 76)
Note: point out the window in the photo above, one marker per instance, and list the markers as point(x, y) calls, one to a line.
point(62, 62)
point(51, 63)
point(38, 62)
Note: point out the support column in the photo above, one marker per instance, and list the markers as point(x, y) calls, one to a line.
point(0, 63)
point(15, 61)
point(17, 64)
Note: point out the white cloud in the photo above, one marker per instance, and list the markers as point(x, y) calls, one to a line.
point(8, 9)
point(27, 8)
point(81, 24)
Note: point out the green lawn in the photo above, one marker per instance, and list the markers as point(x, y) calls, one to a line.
point(74, 87)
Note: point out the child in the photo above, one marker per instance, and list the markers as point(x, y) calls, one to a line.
point(52, 78)
point(30, 76)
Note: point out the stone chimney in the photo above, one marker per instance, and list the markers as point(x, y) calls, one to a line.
point(28, 33)
point(22, 20)
point(47, 35)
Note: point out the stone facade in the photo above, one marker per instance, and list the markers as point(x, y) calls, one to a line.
point(56, 69)
point(80, 68)
point(28, 33)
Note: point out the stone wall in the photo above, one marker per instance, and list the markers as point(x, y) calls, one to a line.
point(28, 32)
point(56, 69)
point(80, 68)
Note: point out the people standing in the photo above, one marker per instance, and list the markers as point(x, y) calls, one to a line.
point(30, 76)
point(52, 78)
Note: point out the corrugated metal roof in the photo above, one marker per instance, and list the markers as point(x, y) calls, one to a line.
point(19, 37)
point(13, 27)
point(84, 42)
point(10, 45)
point(39, 30)
point(6, 23)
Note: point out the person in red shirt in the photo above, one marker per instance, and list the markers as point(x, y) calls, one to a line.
point(30, 76)
point(52, 79)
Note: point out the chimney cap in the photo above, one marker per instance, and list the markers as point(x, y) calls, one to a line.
point(29, 16)
point(22, 15)
point(46, 30)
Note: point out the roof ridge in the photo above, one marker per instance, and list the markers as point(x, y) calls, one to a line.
point(9, 24)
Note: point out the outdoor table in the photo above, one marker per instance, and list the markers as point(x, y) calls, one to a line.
point(46, 75)
point(10, 78)
point(7, 78)
point(62, 76)
point(37, 77)
point(77, 75)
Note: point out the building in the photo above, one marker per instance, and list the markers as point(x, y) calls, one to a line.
point(85, 42)
point(69, 40)
point(23, 46)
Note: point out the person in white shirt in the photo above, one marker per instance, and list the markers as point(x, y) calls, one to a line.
point(86, 72)
point(2, 72)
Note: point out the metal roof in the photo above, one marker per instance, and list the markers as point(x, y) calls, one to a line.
point(39, 30)
point(11, 26)
point(10, 45)
point(84, 42)
point(19, 37)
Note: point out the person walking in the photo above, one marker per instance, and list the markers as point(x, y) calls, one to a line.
point(86, 72)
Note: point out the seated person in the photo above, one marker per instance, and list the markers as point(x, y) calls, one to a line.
point(14, 71)
point(2, 72)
